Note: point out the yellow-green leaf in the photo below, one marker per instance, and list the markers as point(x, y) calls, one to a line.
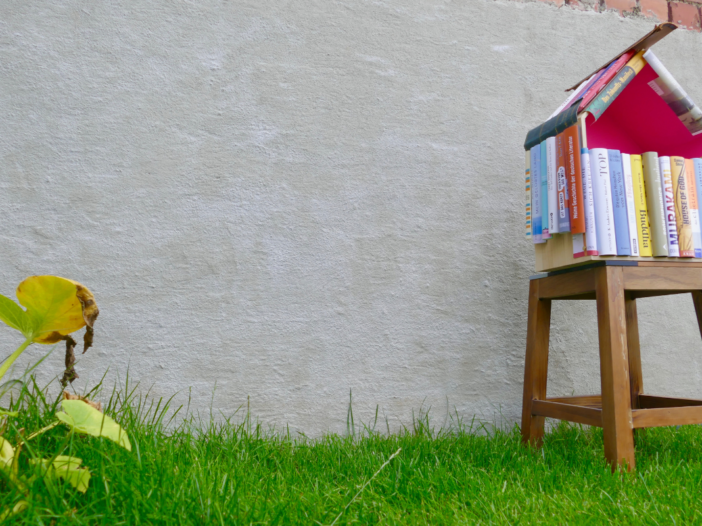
point(83, 418)
point(7, 454)
point(13, 315)
point(68, 469)
point(56, 306)
point(17, 508)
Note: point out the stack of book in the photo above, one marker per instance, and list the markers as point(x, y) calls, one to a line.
point(617, 169)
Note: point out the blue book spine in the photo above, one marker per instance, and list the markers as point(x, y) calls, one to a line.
point(698, 180)
point(536, 194)
point(621, 221)
point(544, 191)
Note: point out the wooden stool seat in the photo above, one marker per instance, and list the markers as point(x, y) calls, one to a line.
point(622, 405)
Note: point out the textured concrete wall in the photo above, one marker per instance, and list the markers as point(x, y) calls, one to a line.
point(296, 199)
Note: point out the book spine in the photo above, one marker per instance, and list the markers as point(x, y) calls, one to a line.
point(615, 86)
point(552, 188)
point(683, 222)
point(641, 210)
point(602, 81)
point(655, 204)
point(536, 194)
point(671, 226)
point(575, 180)
point(544, 192)
point(621, 221)
point(697, 171)
point(693, 203)
point(630, 205)
point(604, 214)
point(527, 177)
point(562, 183)
point(589, 202)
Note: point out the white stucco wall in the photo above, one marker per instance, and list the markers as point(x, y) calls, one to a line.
point(296, 199)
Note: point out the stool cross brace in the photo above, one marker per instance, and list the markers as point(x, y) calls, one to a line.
point(622, 405)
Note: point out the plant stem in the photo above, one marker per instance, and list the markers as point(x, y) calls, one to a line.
point(8, 363)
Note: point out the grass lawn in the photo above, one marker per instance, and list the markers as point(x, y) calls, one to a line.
point(237, 474)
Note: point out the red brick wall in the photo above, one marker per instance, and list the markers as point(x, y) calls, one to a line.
point(685, 13)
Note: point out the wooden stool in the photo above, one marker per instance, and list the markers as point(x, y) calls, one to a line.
point(622, 407)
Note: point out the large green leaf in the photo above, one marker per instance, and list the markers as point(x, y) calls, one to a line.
point(55, 306)
point(68, 469)
point(13, 315)
point(83, 418)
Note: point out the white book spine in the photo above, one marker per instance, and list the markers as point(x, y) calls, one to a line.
point(589, 203)
point(669, 206)
point(630, 205)
point(552, 185)
point(604, 211)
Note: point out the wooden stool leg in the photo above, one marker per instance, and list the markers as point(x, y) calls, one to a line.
point(632, 341)
point(614, 368)
point(535, 364)
point(697, 300)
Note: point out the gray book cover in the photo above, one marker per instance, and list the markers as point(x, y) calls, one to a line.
point(654, 202)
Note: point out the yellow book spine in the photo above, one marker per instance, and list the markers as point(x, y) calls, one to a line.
point(682, 209)
point(642, 224)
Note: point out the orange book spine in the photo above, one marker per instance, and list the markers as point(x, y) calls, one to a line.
point(563, 204)
point(575, 180)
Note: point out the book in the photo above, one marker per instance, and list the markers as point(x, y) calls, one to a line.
point(697, 171)
point(536, 194)
point(615, 86)
point(551, 159)
point(674, 95)
point(655, 204)
point(621, 221)
point(671, 226)
point(562, 185)
point(608, 74)
point(693, 203)
point(602, 192)
point(575, 180)
point(527, 177)
point(544, 192)
point(630, 205)
point(683, 222)
point(641, 209)
point(586, 244)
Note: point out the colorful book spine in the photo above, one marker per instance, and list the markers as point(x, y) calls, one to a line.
point(621, 221)
point(544, 192)
point(589, 203)
point(655, 203)
point(601, 82)
point(615, 86)
point(575, 180)
point(536, 194)
point(693, 203)
point(683, 222)
point(671, 226)
point(697, 171)
point(527, 177)
point(562, 182)
point(551, 158)
point(641, 210)
point(602, 191)
point(630, 205)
